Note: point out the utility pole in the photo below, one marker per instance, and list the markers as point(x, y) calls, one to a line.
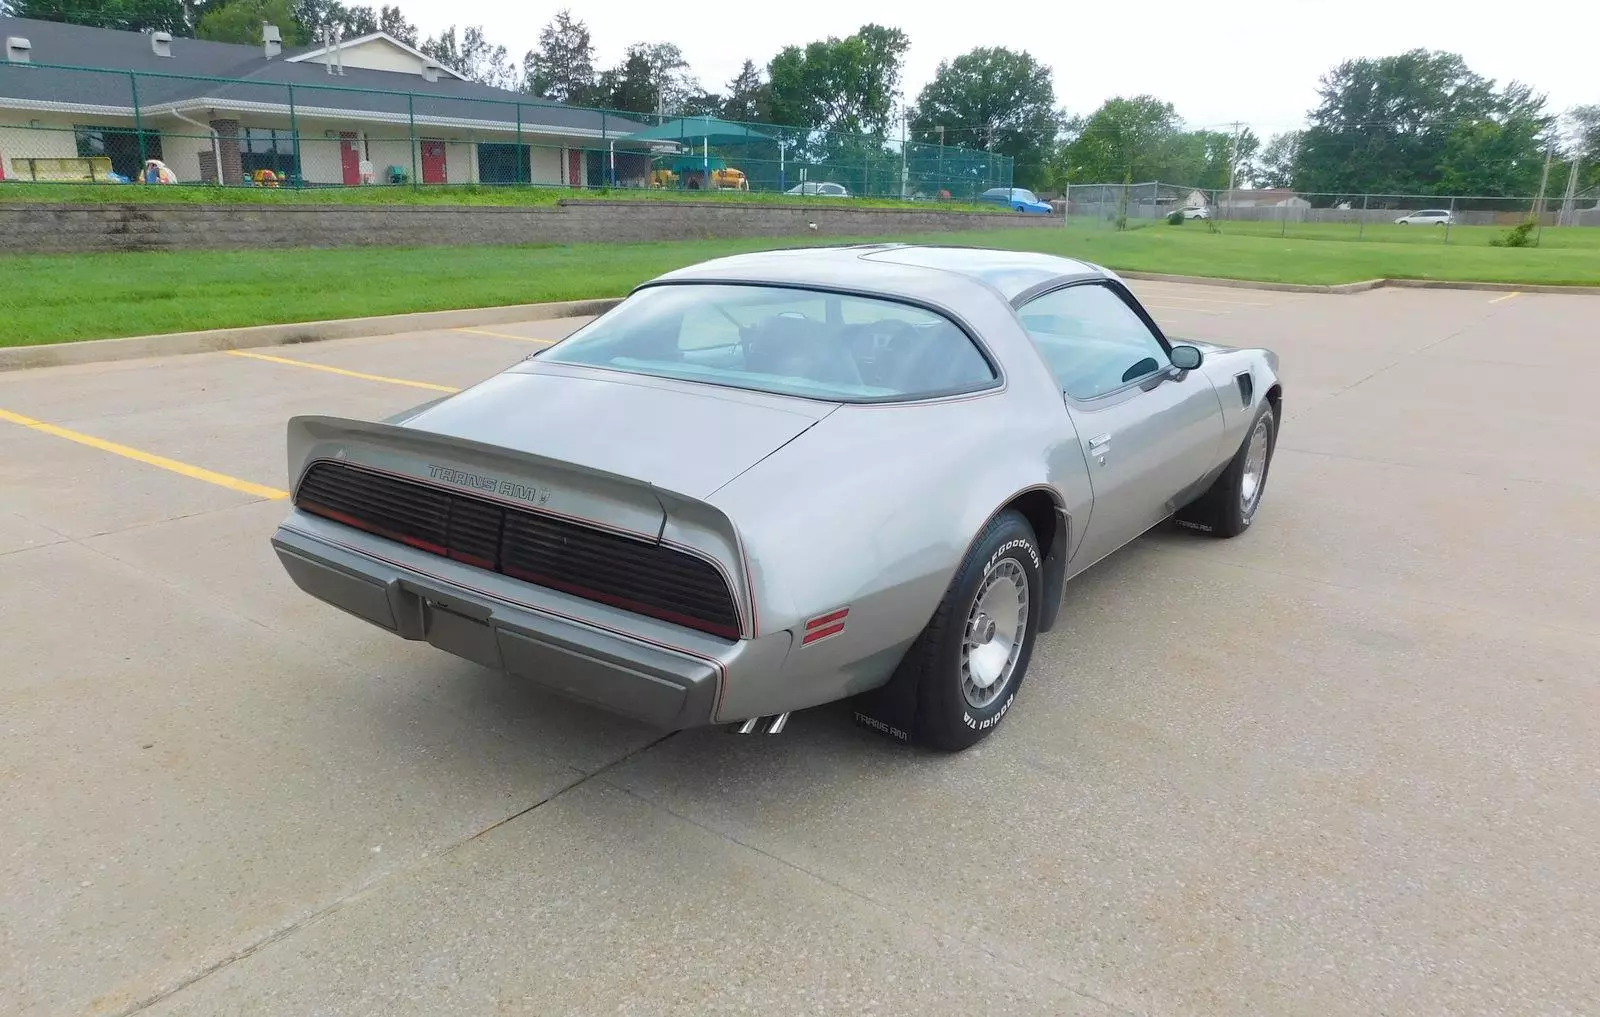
point(1568, 216)
point(905, 143)
point(1233, 161)
point(1544, 180)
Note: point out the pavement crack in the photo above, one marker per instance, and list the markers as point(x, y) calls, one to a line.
point(1435, 468)
point(1166, 548)
point(1413, 354)
point(377, 883)
point(876, 904)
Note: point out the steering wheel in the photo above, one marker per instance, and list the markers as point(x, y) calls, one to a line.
point(880, 345)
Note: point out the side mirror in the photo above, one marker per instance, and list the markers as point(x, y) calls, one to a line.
point(1186, 358)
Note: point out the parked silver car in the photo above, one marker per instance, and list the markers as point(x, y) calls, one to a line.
point(819, 189)
point(1427, 217)
point(774, 480)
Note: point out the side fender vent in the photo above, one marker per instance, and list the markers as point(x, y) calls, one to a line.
point(1247, 387)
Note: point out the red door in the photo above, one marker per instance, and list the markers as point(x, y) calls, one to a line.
point(350, 158)
point(574, 167)
point(433, 171)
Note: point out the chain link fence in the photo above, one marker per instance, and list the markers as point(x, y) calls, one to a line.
point(1394, 218)
point(61, 124)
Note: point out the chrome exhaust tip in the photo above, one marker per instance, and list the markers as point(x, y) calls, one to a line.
point(765, 725)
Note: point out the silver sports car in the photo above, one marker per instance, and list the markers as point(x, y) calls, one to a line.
point(776, 480)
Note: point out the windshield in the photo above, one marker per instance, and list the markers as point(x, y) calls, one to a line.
point(787, 341)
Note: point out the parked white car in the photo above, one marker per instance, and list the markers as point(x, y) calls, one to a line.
point(1428, 217)
point(1196, 212)
point(819, 190)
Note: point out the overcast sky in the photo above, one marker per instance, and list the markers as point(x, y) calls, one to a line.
point(1255, 63)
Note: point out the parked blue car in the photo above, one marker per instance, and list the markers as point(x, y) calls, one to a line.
point(1020, 199)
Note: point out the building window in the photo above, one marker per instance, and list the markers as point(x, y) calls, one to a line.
point(119, 144)
point(503, 164)
point(262, 148)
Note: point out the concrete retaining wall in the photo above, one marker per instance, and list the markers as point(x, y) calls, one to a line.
point(28, 228)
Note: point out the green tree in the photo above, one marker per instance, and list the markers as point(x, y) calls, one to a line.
point(1392, 125)
point(749, 98)
point(240, 21)
point(1124, 140)
point(1583, 124)
point(124, 15)
point(392, 22)
point(1276, 166)
point(1492, 158)
point(473, 56)
point(996, 99)
point(562, 67)
point(1207, 159)
point(847, 85)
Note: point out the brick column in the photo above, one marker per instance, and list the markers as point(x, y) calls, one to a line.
point(232, 169)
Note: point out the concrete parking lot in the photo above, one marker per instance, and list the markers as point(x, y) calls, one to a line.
point(1344, 765)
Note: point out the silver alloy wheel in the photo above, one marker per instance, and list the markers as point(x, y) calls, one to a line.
point(1255, 469)
point(996, 625)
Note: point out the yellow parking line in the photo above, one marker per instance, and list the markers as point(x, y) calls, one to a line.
point(1169, 295)
point(348, 374)
point(1508, 296)
point(149, 459)
point(508, 335)
point(1190, 310)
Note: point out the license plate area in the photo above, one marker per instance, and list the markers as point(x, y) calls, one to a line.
point(456, 633)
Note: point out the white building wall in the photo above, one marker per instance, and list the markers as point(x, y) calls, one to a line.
point(181, 146)
point(386, 152)
point(460, 161)
point(53, 139)
point(376, 55)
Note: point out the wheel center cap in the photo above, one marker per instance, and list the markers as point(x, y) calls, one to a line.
point(984, 629)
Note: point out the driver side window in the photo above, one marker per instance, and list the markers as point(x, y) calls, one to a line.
point(1092, 340)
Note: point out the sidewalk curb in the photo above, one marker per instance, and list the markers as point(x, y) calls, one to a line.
point(1362, 287)
point(13, 358)
point(1250, 284)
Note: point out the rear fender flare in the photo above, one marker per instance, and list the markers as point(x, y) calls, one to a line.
point(1054, 566)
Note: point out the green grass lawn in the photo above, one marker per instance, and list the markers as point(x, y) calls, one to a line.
point(59, 298)
point(1587, 238)
point(431, 194)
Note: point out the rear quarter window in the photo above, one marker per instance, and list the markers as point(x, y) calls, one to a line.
point(783, 340)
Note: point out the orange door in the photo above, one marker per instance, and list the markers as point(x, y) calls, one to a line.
point(433, 171)
point(575, 167)
point(350, 158)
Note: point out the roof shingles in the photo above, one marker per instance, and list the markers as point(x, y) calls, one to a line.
point(78, 66)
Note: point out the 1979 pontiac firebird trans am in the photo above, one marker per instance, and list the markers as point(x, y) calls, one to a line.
point(775, 480)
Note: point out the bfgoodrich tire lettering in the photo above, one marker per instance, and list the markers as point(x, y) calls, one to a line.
point(967, 671)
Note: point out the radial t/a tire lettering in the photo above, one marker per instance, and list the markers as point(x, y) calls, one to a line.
point(1229, 507)
point(970, 660)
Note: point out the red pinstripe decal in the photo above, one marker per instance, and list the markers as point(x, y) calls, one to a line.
point(722, 570)
point(817, 635)
point(827, 619)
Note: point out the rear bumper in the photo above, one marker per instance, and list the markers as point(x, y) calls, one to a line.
point(664, 686)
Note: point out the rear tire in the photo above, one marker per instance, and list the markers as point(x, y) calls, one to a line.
point(970, 660)
point(1229, 507)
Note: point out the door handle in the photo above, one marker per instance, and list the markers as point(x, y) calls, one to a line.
point(1099, 446)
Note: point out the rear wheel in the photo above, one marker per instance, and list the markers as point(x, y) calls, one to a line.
point(970, 660)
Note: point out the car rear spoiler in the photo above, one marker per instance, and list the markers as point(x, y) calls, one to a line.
point(523, 480)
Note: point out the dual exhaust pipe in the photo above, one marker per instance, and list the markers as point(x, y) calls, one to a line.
point(763, 725)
